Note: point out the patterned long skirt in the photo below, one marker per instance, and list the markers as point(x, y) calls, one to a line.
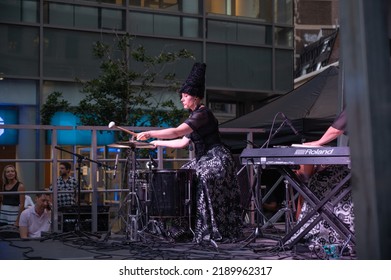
point(322, 233)
point(219, 210)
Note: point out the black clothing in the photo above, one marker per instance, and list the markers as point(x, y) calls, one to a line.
point(12, 199)
point(340, 121)
point(205, 133)
point(218, 213)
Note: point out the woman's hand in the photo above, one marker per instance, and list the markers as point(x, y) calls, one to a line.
point(155, 143)
point(143, 135)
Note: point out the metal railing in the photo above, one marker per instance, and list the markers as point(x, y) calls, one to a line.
point(94, 188)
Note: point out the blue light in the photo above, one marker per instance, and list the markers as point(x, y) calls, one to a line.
point(76, 137)
point(8, 136)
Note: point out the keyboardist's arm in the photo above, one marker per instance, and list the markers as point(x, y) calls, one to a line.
point(330, 134)
point(337, 128)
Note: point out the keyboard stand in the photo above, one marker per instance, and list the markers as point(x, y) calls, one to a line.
point(323, 207)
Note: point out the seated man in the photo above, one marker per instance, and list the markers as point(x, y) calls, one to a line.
point(36, 219)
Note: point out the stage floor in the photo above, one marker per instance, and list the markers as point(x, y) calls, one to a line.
point(76, 246)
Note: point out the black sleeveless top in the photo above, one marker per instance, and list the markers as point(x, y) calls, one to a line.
point(11, 199)
point(205, 133)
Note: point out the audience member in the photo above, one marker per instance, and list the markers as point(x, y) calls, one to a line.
point(12, 204)
point(36, 219)
point(66, 186)
point(28, 202)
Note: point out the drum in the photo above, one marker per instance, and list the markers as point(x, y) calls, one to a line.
point(172, 193)
point(141, 179)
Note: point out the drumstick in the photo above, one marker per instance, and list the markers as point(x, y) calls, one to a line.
point(112, 124)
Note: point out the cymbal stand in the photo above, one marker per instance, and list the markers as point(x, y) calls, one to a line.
point(133, 215)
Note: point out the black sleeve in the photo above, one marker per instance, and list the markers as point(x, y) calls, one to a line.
point(197, 120)
point(340, 121)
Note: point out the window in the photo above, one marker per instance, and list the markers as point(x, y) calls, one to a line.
point(233, 67)
point(223, 111)
point(19, 10)
point(185, 6)
point(68, 54)
point(20, 44)
point(165, 25)
point(115, 2)
point(259, 9)
point(283, 11)
point(83, 17)
point(283, 36)
point(59, 14)
point(112, 19)
point(239, 32)
point(284, 70)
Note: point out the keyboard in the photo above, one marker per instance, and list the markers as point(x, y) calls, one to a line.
point(296, 155)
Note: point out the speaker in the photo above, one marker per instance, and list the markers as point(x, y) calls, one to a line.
point(67, 220)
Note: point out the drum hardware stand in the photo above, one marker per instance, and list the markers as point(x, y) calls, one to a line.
point(78, 232)
point(188, 202)
point(130, 211)
point(287, 210)
point(152, 225)
point(133, 215)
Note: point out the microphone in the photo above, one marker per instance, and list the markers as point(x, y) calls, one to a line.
point(115, 166)
point(289, 123)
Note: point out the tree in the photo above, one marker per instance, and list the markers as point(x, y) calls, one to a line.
point(52, 105)
point(123, 94)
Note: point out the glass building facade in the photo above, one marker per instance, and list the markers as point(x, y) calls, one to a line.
point(46, 44)
point(247, 45)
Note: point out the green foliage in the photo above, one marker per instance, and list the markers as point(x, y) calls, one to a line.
point(123, 94)
point(53, 104)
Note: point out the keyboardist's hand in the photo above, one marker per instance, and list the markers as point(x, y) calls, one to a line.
point(313, 143)
point(306, 145)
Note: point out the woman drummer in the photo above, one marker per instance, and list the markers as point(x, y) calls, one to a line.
point(218, 213)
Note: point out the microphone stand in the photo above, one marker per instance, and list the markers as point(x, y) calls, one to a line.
point(274, 134)
point(256, 186)
point(78, 232)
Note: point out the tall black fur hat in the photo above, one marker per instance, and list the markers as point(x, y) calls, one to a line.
point(195, 83)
